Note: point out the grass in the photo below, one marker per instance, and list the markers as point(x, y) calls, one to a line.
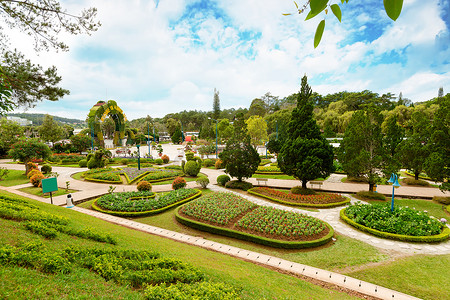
point(275, 176)
point(256, 282)
point(15, 177)
point(423, 276)
point(37, 191)
point(434, 209)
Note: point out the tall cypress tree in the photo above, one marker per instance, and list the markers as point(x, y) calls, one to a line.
point(305, 153)
point(216, 105)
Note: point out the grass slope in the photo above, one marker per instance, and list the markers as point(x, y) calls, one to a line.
point(15, 177)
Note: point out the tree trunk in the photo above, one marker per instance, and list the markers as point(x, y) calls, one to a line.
point(304, 184)
point(371, 186)
point(416, 175)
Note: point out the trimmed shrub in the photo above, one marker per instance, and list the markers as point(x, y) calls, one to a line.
point(159, 161)
point(223, 179)
point(33, 172)
point(165, 158)
point(178, 183)
point(82, 163)
point(239, 185)
point(124, 161)
point(298, 190)
point(366, 195)
point(442, 200)
point(36, 179)
point(144, 186)
point(219, 164)
point(189, 156)
point(192, 168)
point(208, 163)
point(412, 181)
point(45, 169)
point(203, 181)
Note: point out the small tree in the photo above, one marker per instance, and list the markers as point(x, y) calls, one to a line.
point(257, 129)
point(305, 153)
point(29, 149)
point(50, 131)
point(240, 158)
point(9, 134)
point(80, 142)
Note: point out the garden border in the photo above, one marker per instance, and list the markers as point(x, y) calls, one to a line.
point(254, 238)
point(406, 238)
point(328, 205)
point(143, 213)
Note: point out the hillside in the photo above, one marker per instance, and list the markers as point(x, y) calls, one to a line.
point(37, 119)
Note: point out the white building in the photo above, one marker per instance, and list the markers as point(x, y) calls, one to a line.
point(20, 121)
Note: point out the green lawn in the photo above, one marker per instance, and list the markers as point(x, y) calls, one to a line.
point(255, 281)
point(15, 177)
point(37, 191)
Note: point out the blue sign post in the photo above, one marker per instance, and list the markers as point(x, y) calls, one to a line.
point(394, 181)
point(49, 185)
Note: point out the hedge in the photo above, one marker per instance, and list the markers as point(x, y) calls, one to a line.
point(327, 205)
point(253, 238)
point(102, 181)
point(405, 238)
point(143, 213)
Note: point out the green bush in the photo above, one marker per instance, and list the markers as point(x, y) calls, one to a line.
point(189, 155)
point(124, 161)
point(203, 181)
point(240, 185)
point(442, 200)
point(82, 163)
point(412, 181)
point(366, 195)
point(192, 168)
point(33, 172)
point(45, 169)
point(298, 190)
point(144, 186)
point(223, 179)
point(178, 183)
point(159, 161)
point(357, 179)
point(208, 163)
point(183, 291)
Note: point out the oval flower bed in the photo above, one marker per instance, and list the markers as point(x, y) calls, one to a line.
point(403, 223)
point(231, 215)
point(139, 204)
point(324, 200)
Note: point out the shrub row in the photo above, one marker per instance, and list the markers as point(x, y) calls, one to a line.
point(444, 235)
point(268, 170)
point(239, 185)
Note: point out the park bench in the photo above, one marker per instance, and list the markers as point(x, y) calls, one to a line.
point(261, 180)
point(316, 183)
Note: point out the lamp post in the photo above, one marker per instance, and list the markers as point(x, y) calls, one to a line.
point(139, 157)
point(394, 181)
point(216, 133)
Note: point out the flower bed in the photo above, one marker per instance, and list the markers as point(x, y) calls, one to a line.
point(133, 174)
point(320, 201)
point(160, 174)
point(138, 204)
point(105, 175)
point(231, 215)
point(268, 170)
point(403, 223)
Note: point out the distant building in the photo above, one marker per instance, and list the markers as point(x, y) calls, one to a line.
point(20, 121)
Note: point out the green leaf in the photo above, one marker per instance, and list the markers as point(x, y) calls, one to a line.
point(319, 33)
point(393, 8)
point(286, 14)
point(336, 11)
point(317, 6)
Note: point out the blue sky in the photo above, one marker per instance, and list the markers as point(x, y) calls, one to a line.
point(158, 57)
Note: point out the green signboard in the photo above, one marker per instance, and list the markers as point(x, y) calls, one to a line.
point(49, 185)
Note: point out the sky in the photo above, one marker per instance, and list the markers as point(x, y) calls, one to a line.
point(164, 56)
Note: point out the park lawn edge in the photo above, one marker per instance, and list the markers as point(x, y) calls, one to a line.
point(327, 205)
point(394, 236)
point(143, 213)
point(254, 238)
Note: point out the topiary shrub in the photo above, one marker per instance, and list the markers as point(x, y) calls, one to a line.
point(82, 163)
point(219, 164)
point(239, 185)
point(36, 179)
point(144, 186)
point(223, 179)
point(192, 168)
point(189, 155)
point(33, 172)
point(208, 163)
point(124, 161)
point(159, 161)
point(298, 190)
point(45, 169)
point(412, 181)
point(165, 158)
point(178, 183)
point(203, 181)
point(366, 195)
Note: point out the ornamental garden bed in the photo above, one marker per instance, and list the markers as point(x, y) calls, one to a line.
point(231, 215)
point(322, 200)
point(140, 204)
point(132, 175)
point(403, 223)
point(268, 170)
